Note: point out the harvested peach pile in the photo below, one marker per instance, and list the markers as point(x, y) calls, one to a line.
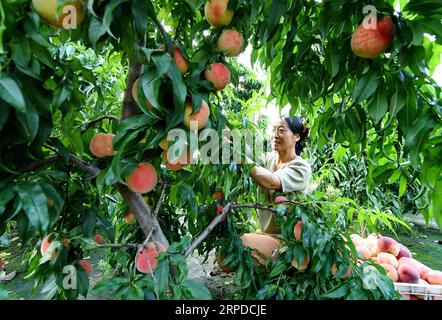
point(396, 259)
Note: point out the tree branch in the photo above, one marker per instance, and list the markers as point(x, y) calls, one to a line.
point(207, 231)
point(160, 200)
point(89, 124)
point(37, 164)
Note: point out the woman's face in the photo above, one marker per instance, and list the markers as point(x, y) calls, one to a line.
point(283, 139)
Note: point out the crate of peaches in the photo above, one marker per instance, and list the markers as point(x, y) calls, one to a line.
point(412, 278)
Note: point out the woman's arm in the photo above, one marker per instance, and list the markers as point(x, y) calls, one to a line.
point(265, 178)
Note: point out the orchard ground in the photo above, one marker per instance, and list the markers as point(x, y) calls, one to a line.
point(425, 244)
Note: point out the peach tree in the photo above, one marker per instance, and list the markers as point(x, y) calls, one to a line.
point(90, 89)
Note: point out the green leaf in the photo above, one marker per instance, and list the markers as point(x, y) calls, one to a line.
point(416, 137)
point(365, 86)
point(30, 122)
point(6, 195)
point(34, 203)
point(96, 30)
point(197, 289)
point(11, 93)
point(162, 274)
point(378, 106)
point(340, 291)
point(89, 221)
point(21, 51)
point(107, 19)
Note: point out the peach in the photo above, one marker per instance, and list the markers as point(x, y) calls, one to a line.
point(335, 270)
point(391, 271)
point(374, 250)
point(182, 161)
point(218, 196)
point(101, 145)
point(369, 43)
point(47, 9)
point(143, 179)
point(146, 258)
point(388, 258)
point(217, 13)
point(181, 63)
point(219, 75)
point(135, 95)
point(130, 218)
point(218, 212)
point(371, 241)
point(280, 199)
point(46, 242)
point(420, 267)
point(201, 117)
point(356, 239)
point(435, 277)
point(389, 245)
point(408, 274)
point(363, 251)
point(403, 252)
point(164, 144)
point(261, 249)
point(86, 266)
point(99, 238)
point(297, 230)
point(304, 264)
point(231, 42)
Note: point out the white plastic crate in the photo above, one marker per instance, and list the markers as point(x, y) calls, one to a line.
point(421, 291)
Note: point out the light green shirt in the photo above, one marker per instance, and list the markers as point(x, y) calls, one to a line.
point(295, 178)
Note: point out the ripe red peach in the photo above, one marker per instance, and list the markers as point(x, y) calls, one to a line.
point(231, 42)
point(408, 274)
point(143, 179)
point(297, 230)
point(99, 238)
point(135, 94)
point(389, 245)
point(201, 117)
point(356, 239)
point(183, 160)
point(217, 13)
point(403, 252)
point(391, 271)
point(304, 264)
point(101, 145)
point(86, 266)
point(146, 258)
point(369, 43)
point(363, 251)
point(388, 258)
point(219, 75)
point(435, 277)
point(181, 63)
point(218, 196)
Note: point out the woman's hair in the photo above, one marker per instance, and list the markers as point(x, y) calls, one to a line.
point(297, 127)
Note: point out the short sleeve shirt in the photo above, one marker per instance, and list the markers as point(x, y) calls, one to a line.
point(295, 178)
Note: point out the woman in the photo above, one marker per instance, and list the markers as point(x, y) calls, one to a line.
point(283, 173)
